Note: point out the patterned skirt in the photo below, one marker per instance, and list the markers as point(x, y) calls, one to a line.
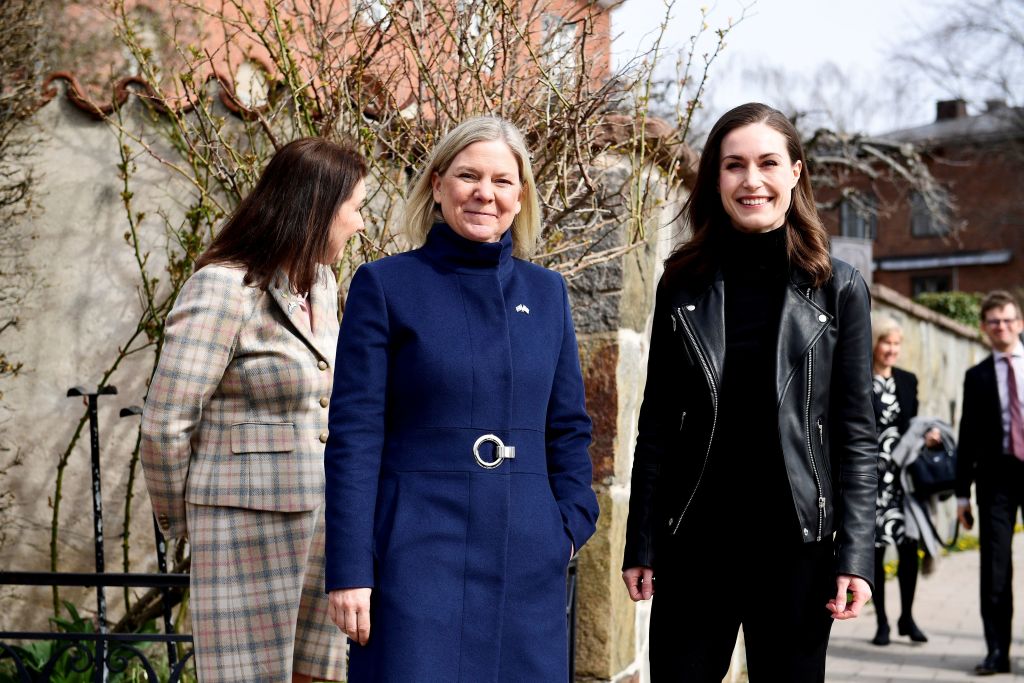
point(259, 611)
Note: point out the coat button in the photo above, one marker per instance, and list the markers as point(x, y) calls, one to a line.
point(322, 365)
point(323, 437)
point(690, 307)
point(324, 402)
point(822, 318)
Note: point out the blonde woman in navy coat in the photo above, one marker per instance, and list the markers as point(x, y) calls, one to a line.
point(458, 477)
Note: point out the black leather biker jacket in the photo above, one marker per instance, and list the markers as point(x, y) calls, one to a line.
point(826, 420)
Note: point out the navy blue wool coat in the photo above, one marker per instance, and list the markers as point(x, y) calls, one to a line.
point(439, 346)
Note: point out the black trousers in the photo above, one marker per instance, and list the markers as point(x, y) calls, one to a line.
point(778, 595)
point(1000, 495)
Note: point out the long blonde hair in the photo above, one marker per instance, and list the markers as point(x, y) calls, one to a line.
point(422, 212)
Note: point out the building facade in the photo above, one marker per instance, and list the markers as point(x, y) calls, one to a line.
point(974, 245)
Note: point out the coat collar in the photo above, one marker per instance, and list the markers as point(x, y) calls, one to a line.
point(320, 302)
point(447, 248)
point(801, 324)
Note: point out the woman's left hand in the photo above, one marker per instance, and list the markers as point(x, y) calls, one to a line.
point(861, 593)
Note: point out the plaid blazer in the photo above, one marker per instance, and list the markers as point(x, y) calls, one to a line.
point(237, 410)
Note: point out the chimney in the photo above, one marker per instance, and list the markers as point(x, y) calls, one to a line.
point(950, 109)
point(995, 105)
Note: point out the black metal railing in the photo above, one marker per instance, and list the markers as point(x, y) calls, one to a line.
point(99, 653)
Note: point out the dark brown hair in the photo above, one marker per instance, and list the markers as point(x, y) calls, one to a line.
point(997, 299)
point(285, 221)
point(806, 239)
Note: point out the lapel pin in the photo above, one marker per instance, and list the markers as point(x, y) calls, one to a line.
point(521, 308)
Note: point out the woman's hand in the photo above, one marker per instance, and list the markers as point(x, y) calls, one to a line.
point(861, 593)
point(933, 438)
point(349, 608)
point(639, 582)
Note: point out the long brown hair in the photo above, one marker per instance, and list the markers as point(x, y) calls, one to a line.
point(285, 222)
point(806, 238)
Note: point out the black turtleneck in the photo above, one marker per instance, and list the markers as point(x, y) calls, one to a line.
point(755, 268)
point(746, 466)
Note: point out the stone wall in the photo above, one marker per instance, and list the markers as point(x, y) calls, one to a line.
point(613, 306)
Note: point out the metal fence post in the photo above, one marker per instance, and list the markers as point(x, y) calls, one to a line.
point(100, 672)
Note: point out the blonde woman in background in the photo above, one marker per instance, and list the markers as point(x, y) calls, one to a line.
point(894, 397)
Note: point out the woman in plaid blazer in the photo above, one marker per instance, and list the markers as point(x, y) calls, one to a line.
point(235, 422)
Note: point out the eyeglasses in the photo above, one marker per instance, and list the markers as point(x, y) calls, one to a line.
point(996, 322)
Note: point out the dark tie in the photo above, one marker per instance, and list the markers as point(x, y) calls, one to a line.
point(1016, 419)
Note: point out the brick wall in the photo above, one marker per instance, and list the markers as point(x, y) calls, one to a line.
point(982, 180)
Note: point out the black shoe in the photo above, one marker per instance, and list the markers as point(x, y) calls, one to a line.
point(881, 635)
point(907, 627)
point(994, 663)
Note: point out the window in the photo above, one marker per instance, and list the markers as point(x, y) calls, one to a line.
point(251, 87)
point(929, 218)
point(560, 48)
point(858, 216)
point(929, 283)
point(373, 12)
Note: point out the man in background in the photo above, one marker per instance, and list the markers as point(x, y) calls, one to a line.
point(991, 453)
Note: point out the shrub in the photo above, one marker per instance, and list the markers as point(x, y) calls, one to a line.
point(963, 307)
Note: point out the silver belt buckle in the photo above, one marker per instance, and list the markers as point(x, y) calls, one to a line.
point(502, 452)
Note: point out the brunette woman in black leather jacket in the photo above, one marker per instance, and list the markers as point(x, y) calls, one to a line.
point(754, 477)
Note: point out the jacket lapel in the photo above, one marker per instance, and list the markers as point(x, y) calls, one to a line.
point(323, 299)
point(280, 291)
point(801, 324)
point(705, 315)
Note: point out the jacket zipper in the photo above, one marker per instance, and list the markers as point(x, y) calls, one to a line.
point(682, 420)
point(821, 434)
point(810, 449)
point(706, 366)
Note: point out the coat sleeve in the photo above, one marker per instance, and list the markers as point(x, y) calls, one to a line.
point(853, 423)
point(199, 340)
point(967, 444)
point(652, 436)
point(567, 435)
point(356, 434)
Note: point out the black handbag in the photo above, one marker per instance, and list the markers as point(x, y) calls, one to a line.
point(933, 473)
